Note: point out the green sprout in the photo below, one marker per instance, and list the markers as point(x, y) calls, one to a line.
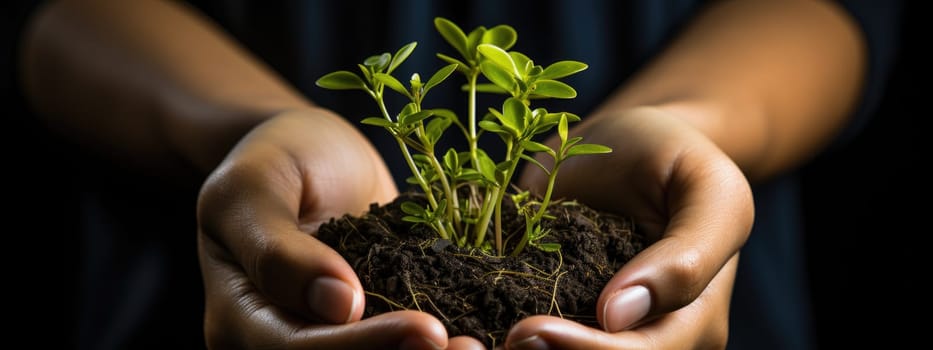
point(464, 190)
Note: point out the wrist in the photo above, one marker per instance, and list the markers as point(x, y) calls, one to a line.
point(739, 129)
point(201, 134)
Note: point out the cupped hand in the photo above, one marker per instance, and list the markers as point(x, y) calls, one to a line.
point(268, 282)
point(696, 208)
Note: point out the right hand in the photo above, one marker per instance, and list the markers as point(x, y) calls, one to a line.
point(689, 199)
point(268, 282)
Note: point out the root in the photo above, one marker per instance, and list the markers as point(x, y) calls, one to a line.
point(395, 305)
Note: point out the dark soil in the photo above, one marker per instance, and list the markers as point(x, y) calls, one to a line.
point(408, 267)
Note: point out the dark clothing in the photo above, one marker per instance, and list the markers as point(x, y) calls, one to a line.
point(127, 281)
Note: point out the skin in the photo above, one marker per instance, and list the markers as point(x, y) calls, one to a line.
point(749, 90)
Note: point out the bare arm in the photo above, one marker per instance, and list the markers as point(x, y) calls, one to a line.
point(770, 82)
point(150, 82)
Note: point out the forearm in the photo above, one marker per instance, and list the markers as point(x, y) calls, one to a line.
point(769, 82)
point(146, 81)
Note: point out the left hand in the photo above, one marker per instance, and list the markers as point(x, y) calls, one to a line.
point(694, 205)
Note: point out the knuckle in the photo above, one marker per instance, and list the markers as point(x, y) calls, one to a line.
point(265, 262)
point(684, 272)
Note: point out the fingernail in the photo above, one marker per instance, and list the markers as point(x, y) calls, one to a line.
point(332, 300)
point(531, 343)
point(418, 343)
point(625, 308)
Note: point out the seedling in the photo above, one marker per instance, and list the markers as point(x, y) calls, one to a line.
point(465, 190)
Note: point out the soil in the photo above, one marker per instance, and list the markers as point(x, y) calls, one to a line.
point(405, 266)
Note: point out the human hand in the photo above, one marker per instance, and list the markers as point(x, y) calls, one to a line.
point(268, 282)
point(696, 208)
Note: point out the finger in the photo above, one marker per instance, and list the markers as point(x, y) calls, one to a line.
point(253, 206)
point(465, 343)
point(703, 324)
point(239, 316)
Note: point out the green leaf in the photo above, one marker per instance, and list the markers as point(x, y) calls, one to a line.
point(435, 129)
point(341, 80)
point(514, 113)
point(415, 219)
point(409, 108)
point(412, 209)
point(554, 88)
point(464, 158)
point(499, 57)
point(473, 40)
point(498, 76)
point(441, 206)
point(572, 141)
point(502, 169)
point(562, 69)
point(486, 167)
point(520, 197)
point(383, 122)
point(587, 148)
point(452, 34)
point(562, 128)
point(492, 127)
point(501, 35)
point(439, 76)
point(378, 62)
point(393, 84)
point(534, 161)
point(444, 113)
point(534, 146)
point(469, 175)
point(461, 67)
point(421, 159)
point(537, 115)
point(410, 119)
point(522, 62)
point(428, 174)
point(367, 75)
point(555, 117)
point(401, 56)
point(537, 147)
point(534, 71)
point(547, 247)
point(451, 160)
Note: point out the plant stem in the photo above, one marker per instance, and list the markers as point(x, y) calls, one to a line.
point(530, 224)
point(483, 224)
point(547, 195)
point(453, 208)
point(471, 113)
point(524, 241)
point(425, 187)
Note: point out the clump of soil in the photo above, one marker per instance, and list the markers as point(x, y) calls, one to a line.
point(405, 266)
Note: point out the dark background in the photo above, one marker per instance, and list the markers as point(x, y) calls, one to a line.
point(866, 210)
point(865, 206)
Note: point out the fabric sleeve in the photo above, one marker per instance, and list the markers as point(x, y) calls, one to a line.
point(880, 24)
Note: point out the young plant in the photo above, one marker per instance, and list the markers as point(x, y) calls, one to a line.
point(465, 190)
